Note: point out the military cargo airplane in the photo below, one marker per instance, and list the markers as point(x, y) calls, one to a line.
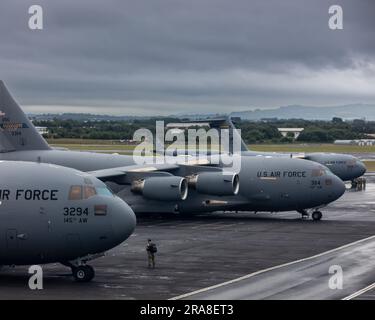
point(183, 188)
point(288, 185)
point(345, 166)
point(54, 214)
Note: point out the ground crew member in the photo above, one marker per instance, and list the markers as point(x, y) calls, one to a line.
point(151, 250)
point(355, 184)
point(360, 187)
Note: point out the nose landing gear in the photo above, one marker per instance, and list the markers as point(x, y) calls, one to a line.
point(317, 215)
point(80, 270)
point(84, 273)
point(304, 214)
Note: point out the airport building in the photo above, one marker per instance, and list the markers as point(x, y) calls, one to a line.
point(356, 142)
point(42, 130)
point(295, 131)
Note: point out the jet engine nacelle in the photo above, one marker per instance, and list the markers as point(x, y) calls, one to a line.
point(215, 183)
point(162, 188)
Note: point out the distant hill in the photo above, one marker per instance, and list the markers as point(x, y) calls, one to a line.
point(348, 112)
point(81, 117)
point(196, 116)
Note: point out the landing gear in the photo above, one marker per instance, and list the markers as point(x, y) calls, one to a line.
point(304, 214)
point(316, 215)
point(83, 273)
point(80, 270)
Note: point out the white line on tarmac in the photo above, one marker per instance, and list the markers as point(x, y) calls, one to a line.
point(360, 292)
point(273, 268)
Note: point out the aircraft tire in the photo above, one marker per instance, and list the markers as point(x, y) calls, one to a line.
point(83, 273)
point(316, 215)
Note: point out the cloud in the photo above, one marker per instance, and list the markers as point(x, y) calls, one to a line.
point(173, 56)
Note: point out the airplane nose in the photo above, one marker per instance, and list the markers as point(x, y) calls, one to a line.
point(338, 187)
point(361, 168)
point(123, 220)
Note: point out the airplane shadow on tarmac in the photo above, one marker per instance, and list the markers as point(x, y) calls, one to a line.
point(287, 217)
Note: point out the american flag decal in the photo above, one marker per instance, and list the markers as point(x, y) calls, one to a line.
point(12, 126)
point(2, 114)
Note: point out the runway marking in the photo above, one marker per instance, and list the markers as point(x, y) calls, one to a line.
point(360, 292)
point(271, 269)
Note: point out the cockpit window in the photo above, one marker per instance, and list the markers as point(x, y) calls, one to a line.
point(104, 191)
point(89, 192)
point(86, 192)
point(318, 172)
point(75, 193)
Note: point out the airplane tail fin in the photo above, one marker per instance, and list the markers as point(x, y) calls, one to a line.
point(216, 123)
point(16, 130)
point(235, 132)
point(227, 123)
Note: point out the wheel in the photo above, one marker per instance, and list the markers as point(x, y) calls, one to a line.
point(317, 215)
point(83, 273)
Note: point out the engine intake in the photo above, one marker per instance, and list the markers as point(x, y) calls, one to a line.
point(161, 188)
point(215, 183)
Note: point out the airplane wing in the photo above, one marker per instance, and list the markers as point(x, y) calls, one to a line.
point(105, 174)
point(138, 171)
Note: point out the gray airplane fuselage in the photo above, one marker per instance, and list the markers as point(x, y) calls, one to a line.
point(345, 166)
point(266, 183)
point(41, 223)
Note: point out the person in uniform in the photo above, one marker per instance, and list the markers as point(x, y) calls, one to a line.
point(151, 250)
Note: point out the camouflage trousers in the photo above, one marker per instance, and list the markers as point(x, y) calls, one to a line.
point(151, 259)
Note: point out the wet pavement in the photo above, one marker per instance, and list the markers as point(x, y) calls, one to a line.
point(206, 250)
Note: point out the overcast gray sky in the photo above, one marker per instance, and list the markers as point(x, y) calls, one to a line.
point(148, 57)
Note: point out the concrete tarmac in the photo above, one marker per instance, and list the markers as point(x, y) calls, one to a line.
point(308, 279)
point(207, 250)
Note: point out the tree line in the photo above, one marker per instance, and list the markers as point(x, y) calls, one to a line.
point(252, 132)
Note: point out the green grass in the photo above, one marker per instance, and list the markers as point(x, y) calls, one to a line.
point(370, 165)
point(86, 144)
point(83, 142)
